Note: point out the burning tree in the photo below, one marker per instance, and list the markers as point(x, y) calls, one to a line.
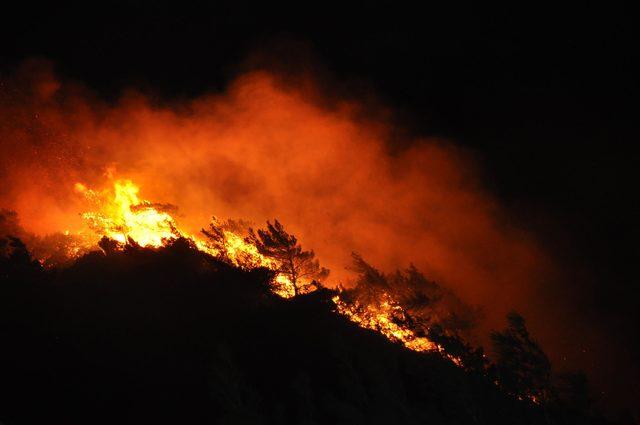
point(377, 303)
point(225, 241)
point(424, 300)
point(407, 307)
point(300, 267)
point(217, 237)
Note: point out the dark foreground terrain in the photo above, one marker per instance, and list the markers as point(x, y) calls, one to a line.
point(173, 336)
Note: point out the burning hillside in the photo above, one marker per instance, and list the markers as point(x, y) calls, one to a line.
point(120, 218)
point(177, 331)
point(121, 215)
point(264, 149)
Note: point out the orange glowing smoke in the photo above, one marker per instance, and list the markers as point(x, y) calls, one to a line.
point(264, 149)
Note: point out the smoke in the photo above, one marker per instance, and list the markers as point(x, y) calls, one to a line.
point(266, 148)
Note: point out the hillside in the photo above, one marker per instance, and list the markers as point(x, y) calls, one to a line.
point(172, 335)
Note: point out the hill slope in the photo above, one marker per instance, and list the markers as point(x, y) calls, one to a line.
point(172, 335)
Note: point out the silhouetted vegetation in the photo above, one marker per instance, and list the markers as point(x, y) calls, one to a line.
point(298, 265)
point(52, 250)
point(426, 303)
point(522, 368)
point(217, 238)
point(17, 268)
point(175, 336)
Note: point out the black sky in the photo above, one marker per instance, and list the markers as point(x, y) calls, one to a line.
point(546, 98)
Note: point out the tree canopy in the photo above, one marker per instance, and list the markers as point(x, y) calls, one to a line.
point(522, 368)
point(301, 267)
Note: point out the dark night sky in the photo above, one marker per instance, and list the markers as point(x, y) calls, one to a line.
point(546, 98)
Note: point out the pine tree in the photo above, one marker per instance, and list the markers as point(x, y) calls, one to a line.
point(297, 265)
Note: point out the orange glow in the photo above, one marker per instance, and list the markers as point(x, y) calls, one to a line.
point(381, 318)
point(331, 169)
point(122, 216)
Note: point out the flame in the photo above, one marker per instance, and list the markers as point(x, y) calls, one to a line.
point(384, 318)
point(122, 216)
point(126, 216)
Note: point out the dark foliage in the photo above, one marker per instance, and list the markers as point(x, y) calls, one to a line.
point(470, 358)
point(522, 368)
point(16, 265)
point(52, 250)
point(426, 303)
point(217, 238)
point(298, 265)
point(173, 336)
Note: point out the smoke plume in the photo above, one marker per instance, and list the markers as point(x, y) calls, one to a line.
point(265, 149)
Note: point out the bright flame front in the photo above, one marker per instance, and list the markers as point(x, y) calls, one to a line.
point(122, 216)
point(380, 318)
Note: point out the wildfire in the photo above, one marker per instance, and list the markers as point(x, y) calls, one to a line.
point(122, 216)
point(384, 318)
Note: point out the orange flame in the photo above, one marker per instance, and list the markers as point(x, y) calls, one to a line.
point(125, 216)
point(381, 318)
point(122, 216)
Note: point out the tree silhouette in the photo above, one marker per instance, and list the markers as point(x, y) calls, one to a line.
point(109, 246)
point(472, 359)
point(425, 301)
point(16, 263)
point(298, 265)
point(217, 238)
point(269, 367)
point(522, 368)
